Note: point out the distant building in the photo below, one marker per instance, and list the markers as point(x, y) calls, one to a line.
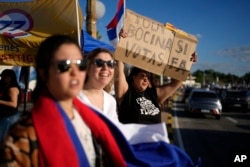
point(190, 82)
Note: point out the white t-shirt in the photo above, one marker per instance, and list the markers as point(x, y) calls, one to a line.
point(109, 106)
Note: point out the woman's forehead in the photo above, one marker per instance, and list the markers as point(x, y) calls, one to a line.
point(67, 51)
point(104, 55)
point(144, 72)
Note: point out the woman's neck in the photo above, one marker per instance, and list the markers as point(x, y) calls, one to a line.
point(93, 87)
point(93, 91)
point(95, 96)
point(68, 107)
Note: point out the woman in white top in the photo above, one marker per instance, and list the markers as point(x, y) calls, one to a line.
point(100, 71)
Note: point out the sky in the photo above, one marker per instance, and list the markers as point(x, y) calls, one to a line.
point(221, 26)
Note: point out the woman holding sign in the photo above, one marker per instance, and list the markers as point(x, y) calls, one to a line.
point(138, 99)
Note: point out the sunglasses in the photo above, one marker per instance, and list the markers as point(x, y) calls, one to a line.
point(100, 63)
point(144, 75)
point(65, 65)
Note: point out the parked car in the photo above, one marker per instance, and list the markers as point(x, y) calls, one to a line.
point(248, 99)
point(186, 94)
point(236, 99)
point(220, 92)
point(204, 101)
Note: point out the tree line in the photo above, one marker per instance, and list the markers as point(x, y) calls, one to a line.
point(211, 76)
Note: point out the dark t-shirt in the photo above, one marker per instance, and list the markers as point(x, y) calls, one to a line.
point(139, 107)
point(6, 111)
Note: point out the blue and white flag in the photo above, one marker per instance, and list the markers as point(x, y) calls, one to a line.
point(146, 145)
point(116, 24)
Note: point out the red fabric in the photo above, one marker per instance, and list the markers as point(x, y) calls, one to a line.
point(55, 145)
point(102, 133)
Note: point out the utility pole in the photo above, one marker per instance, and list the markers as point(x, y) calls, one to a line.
point(204, 78)
point(91, 17)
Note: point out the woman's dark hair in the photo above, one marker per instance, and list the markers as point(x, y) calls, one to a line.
point(10, 73)
point(133, 72)
point(13, 79)
point(12, 83)
point(45, 55)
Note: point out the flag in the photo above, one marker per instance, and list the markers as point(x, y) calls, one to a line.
point(145, 145)
point(116, 24)
point(24, 24)
point(89, 43)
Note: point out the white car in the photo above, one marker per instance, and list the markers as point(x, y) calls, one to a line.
point(204, 101)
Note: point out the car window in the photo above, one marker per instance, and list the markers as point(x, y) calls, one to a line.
point(237, 94)
point(188, 91)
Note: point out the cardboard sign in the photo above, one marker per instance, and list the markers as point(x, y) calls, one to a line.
point(147, 45)
point(184, 45)
point(153, 47)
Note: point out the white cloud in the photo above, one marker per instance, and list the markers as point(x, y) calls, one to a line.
point(237, 63)
point(199, 35)
point(241, 54)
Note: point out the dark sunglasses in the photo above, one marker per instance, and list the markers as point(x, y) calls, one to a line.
point(100, 63)
point(65, 65)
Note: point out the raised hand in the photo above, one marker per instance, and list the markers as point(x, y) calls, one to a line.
point(194, 57)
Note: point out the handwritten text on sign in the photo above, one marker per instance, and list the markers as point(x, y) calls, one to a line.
point(151, 46)
point(151, 40)
point(183, 48)
point(147, 45)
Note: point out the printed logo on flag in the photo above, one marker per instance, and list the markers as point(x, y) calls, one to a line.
point(15, 23)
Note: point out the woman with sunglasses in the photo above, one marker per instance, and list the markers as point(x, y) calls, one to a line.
point(60, 130)
point(138, 98)
point(100, 72)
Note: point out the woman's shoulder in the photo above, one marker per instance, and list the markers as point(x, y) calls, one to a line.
point(108, 95)
point(12, 85)
point(83, 98)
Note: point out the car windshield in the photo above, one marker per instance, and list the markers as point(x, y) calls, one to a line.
point(237, 94)
point(204, 95)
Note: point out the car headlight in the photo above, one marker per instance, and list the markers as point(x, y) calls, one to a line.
point(219, 104)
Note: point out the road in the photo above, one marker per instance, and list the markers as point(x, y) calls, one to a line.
point(216, 142)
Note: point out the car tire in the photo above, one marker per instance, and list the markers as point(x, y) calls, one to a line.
point(225, 109)
point(245, 109)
